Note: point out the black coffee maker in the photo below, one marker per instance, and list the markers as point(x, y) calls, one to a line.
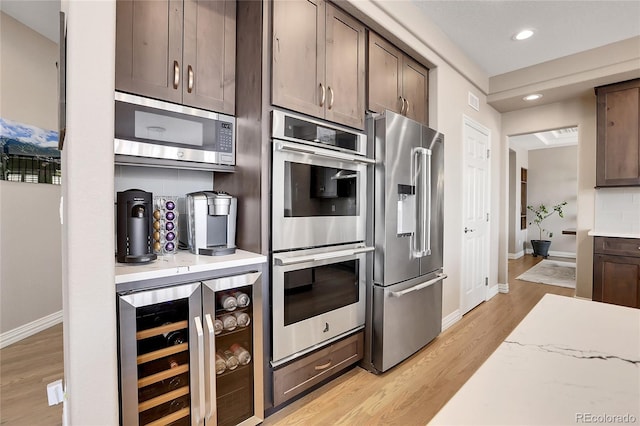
point(134, 226)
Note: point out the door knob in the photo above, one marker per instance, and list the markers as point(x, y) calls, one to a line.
point(468, 230)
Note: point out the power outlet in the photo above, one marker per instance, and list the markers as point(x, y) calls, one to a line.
point(55, 394)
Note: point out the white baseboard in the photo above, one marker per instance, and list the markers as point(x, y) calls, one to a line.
point(552, 253)
point(12, 336)
point(503, 288)
point(492, 291)
point(451, 319)
point(517, 255)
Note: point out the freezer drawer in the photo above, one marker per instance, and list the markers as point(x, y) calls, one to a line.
point(406, 317)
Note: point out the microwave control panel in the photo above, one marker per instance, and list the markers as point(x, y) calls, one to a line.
point(224, 132)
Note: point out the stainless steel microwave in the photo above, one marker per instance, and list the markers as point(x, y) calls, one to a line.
point(157, 133)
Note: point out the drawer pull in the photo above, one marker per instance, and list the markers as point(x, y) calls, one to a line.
point(323, 366)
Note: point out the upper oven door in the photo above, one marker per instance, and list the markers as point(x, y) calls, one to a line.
point(318, 197)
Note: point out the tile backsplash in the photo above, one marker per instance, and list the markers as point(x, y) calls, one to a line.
point(617, 210)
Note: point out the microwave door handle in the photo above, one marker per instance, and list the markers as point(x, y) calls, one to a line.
point(211, 346)
point(200, 354)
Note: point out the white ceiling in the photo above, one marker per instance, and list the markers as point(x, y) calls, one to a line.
point(40, 15)
point(483, 28)
point(550, 139)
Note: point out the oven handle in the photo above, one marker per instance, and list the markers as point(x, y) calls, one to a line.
point(440, 277)
point(292, 147)
point(284, 261)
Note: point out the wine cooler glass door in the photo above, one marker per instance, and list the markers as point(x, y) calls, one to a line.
point(162, 356)
point(231, 303)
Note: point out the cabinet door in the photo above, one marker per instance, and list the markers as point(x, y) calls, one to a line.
point(385, 70)
point(415, 84)
point(149, 48)
point(345, 69)
point(208, 71)
point(616, 280)
point(618, 151)
point(298, 56)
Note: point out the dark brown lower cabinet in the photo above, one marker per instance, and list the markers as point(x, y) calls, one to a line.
point(616, 271)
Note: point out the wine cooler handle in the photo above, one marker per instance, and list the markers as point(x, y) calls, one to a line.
point(200, 354)
point(211, 406)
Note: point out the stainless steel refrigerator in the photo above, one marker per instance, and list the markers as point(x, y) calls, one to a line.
point(405, 295)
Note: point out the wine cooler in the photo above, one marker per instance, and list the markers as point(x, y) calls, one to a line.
point(188, 353)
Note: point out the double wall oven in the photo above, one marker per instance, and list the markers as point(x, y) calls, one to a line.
point(319, 217)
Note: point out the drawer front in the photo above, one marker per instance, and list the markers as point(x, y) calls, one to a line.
point(617, 246)
point(311, 369)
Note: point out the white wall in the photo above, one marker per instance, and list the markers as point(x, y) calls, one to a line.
point(30, 245)
point(553, 178)
point(518, 159)
point(580, 112)
point(90, 344)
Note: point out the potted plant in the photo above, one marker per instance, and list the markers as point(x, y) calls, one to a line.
point(542, 212)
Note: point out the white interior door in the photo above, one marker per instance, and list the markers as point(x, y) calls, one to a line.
point(475, 245)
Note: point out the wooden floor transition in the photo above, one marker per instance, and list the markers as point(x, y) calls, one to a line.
point(409, 394)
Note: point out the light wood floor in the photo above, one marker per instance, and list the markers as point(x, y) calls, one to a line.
point(409, 394)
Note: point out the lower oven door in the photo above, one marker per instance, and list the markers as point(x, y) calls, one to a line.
point(318, 196)
point(318, 295)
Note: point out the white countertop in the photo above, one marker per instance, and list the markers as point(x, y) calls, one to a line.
point(184, 262)
point(594, 233)
point(567, 360)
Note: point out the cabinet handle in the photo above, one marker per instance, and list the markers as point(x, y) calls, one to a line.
point(403, 110)
point(176, 74)
point(190, 82)
point(323, 366)
point(330, 99)
point(322, 97)
point(406, 110)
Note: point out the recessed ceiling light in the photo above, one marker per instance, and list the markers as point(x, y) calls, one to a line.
point(533, 97)
point(523, 35)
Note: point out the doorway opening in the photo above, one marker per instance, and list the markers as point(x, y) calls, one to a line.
point(543, 170)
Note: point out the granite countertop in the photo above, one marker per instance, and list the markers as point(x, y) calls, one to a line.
point(594, 233)
point(569, 361)
point(184, 262)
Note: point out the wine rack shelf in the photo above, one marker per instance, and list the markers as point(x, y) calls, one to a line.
point(163, 329)
point(161, 353)
point(163, 375)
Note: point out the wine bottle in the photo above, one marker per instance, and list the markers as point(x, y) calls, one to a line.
point(227, 301)
point(218, 326)
point(229, 322)
point(230, 359)
point(242, 318)
point(221, 363)
point(175, 337)
point(243, 355)
point(242, 299)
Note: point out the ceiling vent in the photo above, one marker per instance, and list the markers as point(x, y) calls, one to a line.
point(474, 102)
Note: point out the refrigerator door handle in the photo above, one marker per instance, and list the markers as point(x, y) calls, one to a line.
point(200, 354)
point(420, 286)
point(211, 406)
point(427, 204)
point(421, 171)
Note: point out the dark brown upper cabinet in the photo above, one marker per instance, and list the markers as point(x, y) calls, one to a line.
point(178, 51)
point(318, 61)
point(618, 147)
point(396, 82)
